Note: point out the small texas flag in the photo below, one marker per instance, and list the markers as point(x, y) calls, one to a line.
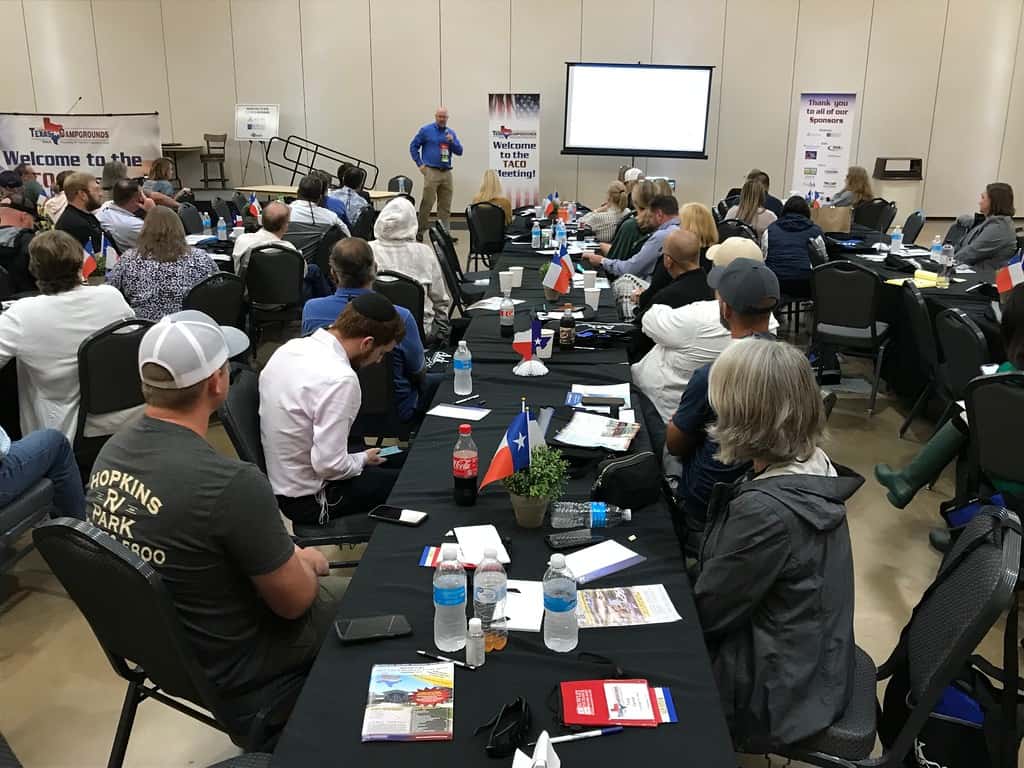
point(1010, 276)
point(89, 260)
point(513, 454)
point(550, 204)
point(254, 206)
point(527, 342)
point(559, 274)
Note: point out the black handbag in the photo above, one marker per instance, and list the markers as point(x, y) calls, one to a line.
point(631, 481)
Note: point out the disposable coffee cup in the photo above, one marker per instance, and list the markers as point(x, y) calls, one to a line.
point(517, 276)
point(592, 296)
point(544, 352)
point(589, 278)
point(505, 281)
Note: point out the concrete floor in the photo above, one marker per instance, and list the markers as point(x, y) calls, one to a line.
point(59, 699)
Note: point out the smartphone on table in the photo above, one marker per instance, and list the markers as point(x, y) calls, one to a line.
point(390, 514)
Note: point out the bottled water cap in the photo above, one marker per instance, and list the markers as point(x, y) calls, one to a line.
point(491, 553)
point(557, 561)
point(449, 552)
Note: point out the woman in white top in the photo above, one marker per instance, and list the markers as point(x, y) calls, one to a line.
point(750, 209)
point(44, 332)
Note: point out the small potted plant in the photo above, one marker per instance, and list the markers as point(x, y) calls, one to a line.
point(533, 488)
point(549, 293)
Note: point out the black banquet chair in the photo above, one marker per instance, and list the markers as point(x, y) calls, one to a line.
point(846, 299)
point(486, 224)
point(108, 377)
point(141, 634)
point(735, 228)
point(964, 350)
point(273, 280)
point(221, 296)
point(912, 226)
point(405, 292)
point(974, 586)
point(994, 453)
point(876, 214)
point(400, 184)
point(190, 219)
point(920, 323)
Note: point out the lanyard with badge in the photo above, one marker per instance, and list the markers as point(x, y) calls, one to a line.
point(446, 155)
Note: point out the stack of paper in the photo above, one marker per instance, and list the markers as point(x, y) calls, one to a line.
point(493, 303)
point(601, 560)
point(524, 605)
point(588, 430)
point(473, 540)
point(460, 412)
point(624, 606)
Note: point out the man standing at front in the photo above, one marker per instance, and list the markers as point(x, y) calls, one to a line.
point(432, 148)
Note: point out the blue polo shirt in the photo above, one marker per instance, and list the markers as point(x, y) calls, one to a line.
point(340, 209)
point(407, 357)
point(425, 147)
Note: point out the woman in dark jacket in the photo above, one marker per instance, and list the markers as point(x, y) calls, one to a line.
point(787, 246)
point(774, 589)
point(991, 242)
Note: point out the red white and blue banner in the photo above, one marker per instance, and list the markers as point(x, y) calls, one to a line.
point(52, 143)
point(514, 136)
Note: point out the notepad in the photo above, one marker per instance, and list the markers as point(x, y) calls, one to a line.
point(601, 560)
point(524, 605)
point(461, 412)
point(474, 539)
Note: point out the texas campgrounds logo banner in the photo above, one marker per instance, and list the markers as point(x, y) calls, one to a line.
point(52, 143)
point(514, 140)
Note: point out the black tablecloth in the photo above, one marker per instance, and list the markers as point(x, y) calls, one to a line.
point(487, 346)
point(901, 367)
point(326, 724)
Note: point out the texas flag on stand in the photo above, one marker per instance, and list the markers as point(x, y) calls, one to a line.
point(559, 274)
point(1010, 276)
point(89, 260)
point(550, 204)
point(254, 206)
point(527, 342)
point(513, 454)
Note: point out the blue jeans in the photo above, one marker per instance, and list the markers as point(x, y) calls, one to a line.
point(44, 453)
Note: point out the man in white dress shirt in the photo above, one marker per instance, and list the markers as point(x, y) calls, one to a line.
point(309, 399)
point(275, 223)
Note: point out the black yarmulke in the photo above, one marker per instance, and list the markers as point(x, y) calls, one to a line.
point(374, 306)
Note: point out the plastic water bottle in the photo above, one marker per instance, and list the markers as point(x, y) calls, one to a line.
point(507, 317)
point(463, 364)
point(561, 632)
point(572, 210)
point(535, 235)
point(936, 251)
point(490, 587)
point(560, 234)
point(587, 514)
point(948, 268)
point(475, 647)
point(449, 601)
point(896, 241)
point(222, 229)
point(206, 224)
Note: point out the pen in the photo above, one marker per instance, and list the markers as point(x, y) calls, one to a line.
point(589, 349)
point(466, 399)
point(437, 657)
point(584, 735)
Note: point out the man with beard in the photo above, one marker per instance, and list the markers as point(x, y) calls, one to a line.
point(309, 399)
point(84, 196)
point(747, 292)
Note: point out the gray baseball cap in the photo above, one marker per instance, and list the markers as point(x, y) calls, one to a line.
point(746, 286)
point(190, 346)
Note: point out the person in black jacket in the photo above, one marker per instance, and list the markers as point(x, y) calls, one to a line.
point(17, 228)
point(774, 588)
point(84, 196)
point(788, 244)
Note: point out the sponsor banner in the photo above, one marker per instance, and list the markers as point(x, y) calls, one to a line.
point(824, 130)
point(515, 145)
point(52, 143)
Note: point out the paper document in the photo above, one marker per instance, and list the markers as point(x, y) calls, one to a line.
point(574, 250)
point(410, 702)
point(463, 412)
point(589, 430)
point(601, 560)
point(607, 390)
point(545, 316)
point(474, 539)
point(917, 281)
point(624, 606)
point(601, 282)
point(524, 605)
point(493, 303)
point(198, 239)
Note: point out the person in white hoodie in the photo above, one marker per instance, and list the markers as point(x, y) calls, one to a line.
point(396, 250)
point(688, 337)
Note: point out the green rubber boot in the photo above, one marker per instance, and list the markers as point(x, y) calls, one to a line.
point(929, 462)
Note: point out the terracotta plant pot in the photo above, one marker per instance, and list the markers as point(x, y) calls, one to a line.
point(529, 510)
point(551, 295)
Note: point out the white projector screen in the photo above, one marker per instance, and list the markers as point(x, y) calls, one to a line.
point(646, 110)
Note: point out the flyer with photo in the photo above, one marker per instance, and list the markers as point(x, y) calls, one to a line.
point(410, 702)
point(624, 606)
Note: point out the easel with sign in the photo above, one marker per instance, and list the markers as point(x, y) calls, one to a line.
point(256, 124)
point(263, 161)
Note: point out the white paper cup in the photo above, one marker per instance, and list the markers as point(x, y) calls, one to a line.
point(589, 278)
point(538, 212)
point(237, 231)
point(545, 352)
point(517, 276)
point(592, 296)
point(505, 281)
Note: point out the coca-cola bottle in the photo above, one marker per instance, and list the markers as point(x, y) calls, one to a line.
point(464, 467)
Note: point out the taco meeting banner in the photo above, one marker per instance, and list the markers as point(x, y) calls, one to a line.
point(53, 143)
point(515, 145)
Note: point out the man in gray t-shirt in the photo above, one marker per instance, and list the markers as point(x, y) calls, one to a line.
point(249, 599)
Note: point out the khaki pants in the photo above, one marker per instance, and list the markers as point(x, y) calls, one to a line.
point(436, 185)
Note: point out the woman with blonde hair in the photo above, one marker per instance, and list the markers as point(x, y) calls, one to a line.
point(157, 274)
point(159, 180)
point(856, 190)
point(697, 218)
point(662, 187)
point(634, 230)
point(604, 220)
point(491, 192)
point(774, 587)
point(750, 209)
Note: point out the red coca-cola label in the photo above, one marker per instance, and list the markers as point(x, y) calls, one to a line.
point(506, 314)
point(464, 467)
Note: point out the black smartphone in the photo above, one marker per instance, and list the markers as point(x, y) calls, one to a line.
point(613, 402)
point(372, 628)
point(397, 515)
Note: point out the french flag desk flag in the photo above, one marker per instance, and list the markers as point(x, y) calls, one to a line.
point(513, 454)
point(1010, 276)
point(559, 274)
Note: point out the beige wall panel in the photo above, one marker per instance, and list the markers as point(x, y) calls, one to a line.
point(16, 85)
point(60, 34)
point(1011, 163)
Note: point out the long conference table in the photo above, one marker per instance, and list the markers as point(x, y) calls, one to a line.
point(325, 727)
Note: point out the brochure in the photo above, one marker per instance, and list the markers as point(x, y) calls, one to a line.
point(410, 702)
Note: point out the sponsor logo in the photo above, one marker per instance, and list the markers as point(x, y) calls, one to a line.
point(831, 171)
point(834, 147)
point(830, 184)
point(56, 132)
point(811, 154)
point(810, 171)
point(504, 132)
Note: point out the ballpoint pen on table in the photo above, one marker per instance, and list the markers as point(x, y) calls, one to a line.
point(466, 399)
point(584, 735)
point(438, 657)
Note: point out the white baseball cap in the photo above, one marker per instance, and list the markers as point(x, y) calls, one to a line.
point(190, 346)
point(633, 174)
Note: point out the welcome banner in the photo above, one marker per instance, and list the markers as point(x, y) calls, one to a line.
point(824, 130)
point(515, 145)
point(53, 143)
